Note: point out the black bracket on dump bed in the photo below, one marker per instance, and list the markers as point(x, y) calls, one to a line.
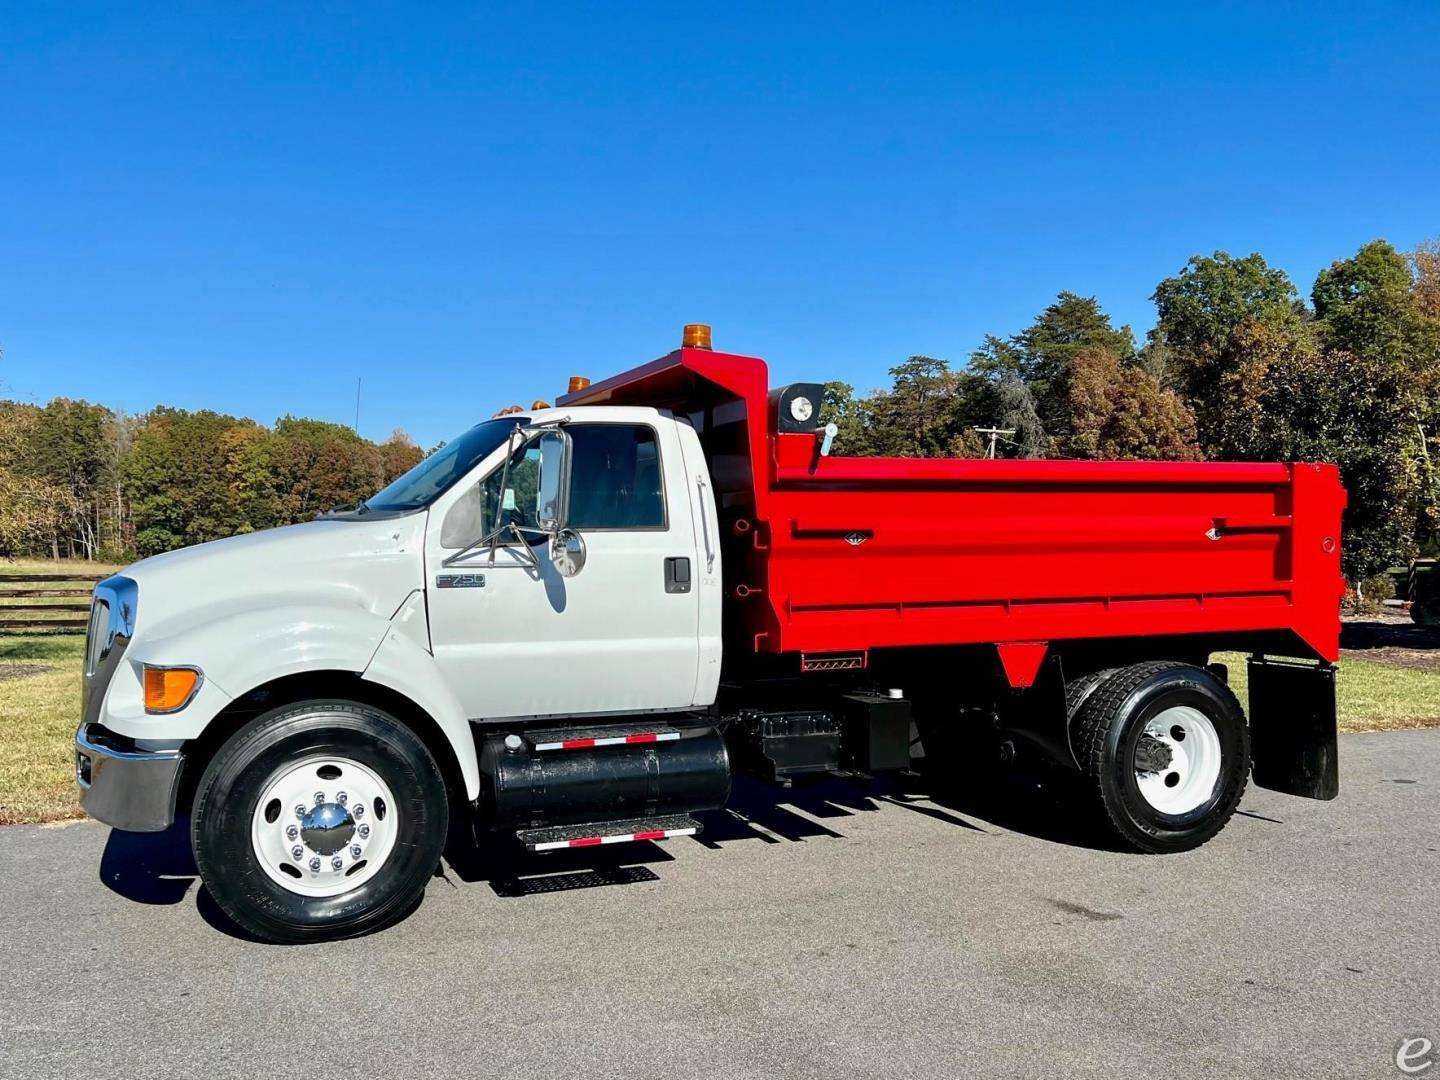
point(1292, 727)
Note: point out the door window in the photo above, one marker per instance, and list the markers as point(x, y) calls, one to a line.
point(487, 504)
point(615, 477)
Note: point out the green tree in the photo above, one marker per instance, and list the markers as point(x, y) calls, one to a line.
point(1042, 354)
point(1367, 305)
point(917, 416)
point(178, 479)
point(1203, 318)
point(1293, 400)
point(1199, 308)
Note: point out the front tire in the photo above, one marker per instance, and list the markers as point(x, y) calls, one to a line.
point(1165, 752)
point(319, 820)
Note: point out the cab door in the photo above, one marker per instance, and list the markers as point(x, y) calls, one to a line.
point(516, 639)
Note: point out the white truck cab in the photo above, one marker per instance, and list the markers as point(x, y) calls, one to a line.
point(546, 564)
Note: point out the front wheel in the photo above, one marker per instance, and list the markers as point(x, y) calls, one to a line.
point(1165, 751)
point(319, 820)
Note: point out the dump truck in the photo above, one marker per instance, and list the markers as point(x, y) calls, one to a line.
point(573, 623)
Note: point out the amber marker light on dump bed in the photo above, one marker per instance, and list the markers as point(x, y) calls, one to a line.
point(696, 336)
point(169, 689)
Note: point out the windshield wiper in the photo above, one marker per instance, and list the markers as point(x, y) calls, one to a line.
point(362, 507)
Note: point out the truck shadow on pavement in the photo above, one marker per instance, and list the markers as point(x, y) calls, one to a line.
point(158, 868)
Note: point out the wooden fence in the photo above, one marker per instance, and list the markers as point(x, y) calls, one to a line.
point(46, 601)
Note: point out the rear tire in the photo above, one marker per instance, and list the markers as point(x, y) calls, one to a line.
point(1165, 752)
point(319, 820)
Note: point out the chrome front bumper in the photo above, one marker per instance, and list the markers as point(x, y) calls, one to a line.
point(125, 786)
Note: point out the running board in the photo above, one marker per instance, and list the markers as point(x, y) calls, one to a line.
point(607, 832)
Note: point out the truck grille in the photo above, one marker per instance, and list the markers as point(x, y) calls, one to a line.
point(112, 624)
point(96, 635)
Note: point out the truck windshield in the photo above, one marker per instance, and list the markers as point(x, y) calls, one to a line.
point(426, 481)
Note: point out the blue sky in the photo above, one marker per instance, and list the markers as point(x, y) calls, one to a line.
point(247, 208)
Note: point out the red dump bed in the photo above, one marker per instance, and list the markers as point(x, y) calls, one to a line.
point(829, 555)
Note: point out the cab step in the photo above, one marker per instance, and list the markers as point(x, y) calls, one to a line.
point(542, 741)
point(554, 837)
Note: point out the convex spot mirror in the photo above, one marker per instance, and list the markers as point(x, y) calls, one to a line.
point(567, 552)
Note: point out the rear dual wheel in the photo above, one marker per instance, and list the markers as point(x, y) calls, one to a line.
point(319, 820)
point(1164, 750)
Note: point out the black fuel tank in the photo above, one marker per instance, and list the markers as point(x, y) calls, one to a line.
point(573, 775)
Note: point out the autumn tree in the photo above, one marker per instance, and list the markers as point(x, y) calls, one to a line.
point(398, 455)
point(1119, 411)
point(326, 466)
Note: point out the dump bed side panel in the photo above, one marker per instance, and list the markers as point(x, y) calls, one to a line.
point(876, 552)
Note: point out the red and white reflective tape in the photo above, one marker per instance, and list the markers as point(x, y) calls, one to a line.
point(616, 740)
point(591, 841)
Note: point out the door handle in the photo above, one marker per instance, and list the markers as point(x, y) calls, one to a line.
point(677, 574)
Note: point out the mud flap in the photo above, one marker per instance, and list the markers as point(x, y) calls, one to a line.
point(1292, 728)
point(1038, 714)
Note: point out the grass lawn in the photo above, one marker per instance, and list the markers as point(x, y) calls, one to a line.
point(40, 706)
point(40, 700)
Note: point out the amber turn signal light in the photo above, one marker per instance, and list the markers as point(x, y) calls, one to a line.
point(696, 336)
point(168, 689)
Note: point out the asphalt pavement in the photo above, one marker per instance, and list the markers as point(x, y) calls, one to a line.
point(846, 932)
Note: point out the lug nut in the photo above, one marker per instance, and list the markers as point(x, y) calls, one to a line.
point(337, 862)
point(300, 810)
point(355, 851)
point(319, 797)
point(315, 863)
point(358, 810)
point(291, 832)
point(364, 831)
point(297, 852)
point(341, 798)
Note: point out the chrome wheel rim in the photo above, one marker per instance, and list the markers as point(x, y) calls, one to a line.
point(1178, 760)
point(324, 826)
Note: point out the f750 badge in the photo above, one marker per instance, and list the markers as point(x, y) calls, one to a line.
point(459, 581)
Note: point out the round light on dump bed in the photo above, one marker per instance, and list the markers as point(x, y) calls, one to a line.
point(801, 408)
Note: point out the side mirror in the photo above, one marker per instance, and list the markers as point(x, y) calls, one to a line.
point(567, 552)
point(552, 497)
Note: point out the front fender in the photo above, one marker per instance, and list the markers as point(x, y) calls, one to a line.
point(405, 667)
point(236, 653)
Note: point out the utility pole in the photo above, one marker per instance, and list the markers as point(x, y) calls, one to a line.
point(357, 405)
point(995, 434)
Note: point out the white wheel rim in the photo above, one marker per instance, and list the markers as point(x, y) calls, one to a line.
point(334, 829)
point(1187, 779)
